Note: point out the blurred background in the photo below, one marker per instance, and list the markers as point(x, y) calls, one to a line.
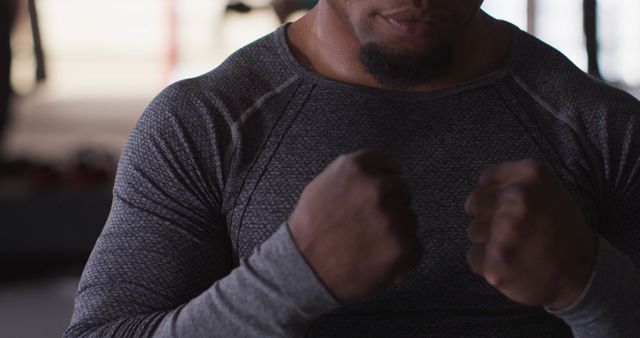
point(82, 72)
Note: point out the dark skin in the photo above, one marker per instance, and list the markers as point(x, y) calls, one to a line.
point(354, 225)
point(529, 239)
point(329, 38)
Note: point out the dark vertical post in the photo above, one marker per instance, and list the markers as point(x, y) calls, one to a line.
point(590, 21)
point(8, 10)
point(531, 16)
point(41, 73)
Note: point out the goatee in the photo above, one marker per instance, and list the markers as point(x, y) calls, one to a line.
point(403, 70)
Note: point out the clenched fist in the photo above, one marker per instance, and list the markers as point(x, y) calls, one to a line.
point(529, 238)
point(354, 225)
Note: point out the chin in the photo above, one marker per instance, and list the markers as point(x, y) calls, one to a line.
point(414, 45)
point(412, 50)
point(402, 65)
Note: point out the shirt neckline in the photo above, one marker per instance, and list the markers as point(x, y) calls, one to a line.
point(487, 79)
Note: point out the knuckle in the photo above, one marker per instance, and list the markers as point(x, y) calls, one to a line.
point(386, 228)
point(350, 160)
point(533, 170)
point(494, 279)
point(360, 153)
point(477, 233)
point(343, 162)
point(516, 209)
point(394, 252)
point(515, 198)
point(354, 168)
point(469, 205)
point(506, 234)
point(504, 221)
point(508, 239)
point(391, 186)
point(479, 201)
point(510, 234)
point(356, 158)
point(500, 256)
point(381, 185)
point(344, 158)
point(515, 194)
point(361, 156)
point(388, 224)
point(374, 191)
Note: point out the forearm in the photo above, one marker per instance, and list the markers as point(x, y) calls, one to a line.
point(274, 293)
point(610, 305)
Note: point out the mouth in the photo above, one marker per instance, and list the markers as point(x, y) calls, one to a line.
point(410, 23)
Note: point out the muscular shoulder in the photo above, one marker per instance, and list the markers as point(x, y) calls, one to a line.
point(241, 80)
point(603, 119)
point(554, 79)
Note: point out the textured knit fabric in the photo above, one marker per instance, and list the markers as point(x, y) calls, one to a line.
point(195, 244)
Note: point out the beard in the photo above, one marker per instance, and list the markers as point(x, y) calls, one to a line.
point(404, 70)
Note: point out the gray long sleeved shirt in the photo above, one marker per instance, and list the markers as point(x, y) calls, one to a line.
point(195, 244)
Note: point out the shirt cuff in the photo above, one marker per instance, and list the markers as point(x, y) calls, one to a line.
point(609, 294)
point(291, 270)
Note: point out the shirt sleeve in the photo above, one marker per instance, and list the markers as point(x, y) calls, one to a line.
point(163, 264)
point(610, 305)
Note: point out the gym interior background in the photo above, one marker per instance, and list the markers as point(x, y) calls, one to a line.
point(83, 71)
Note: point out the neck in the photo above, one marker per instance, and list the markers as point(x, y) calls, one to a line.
point(323, 43)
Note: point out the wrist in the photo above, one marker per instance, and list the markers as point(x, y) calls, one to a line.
point(567, 298)
point(576, 286)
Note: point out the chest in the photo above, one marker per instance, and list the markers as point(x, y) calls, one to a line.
point(443, 145)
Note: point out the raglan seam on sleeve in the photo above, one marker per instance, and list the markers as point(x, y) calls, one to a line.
point(261, 174)
point(548, 152)
point(583, 141)
point(230, 152)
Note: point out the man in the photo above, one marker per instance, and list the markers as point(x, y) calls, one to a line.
point(489, 189)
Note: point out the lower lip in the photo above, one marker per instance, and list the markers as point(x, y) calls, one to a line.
point(409, 28)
